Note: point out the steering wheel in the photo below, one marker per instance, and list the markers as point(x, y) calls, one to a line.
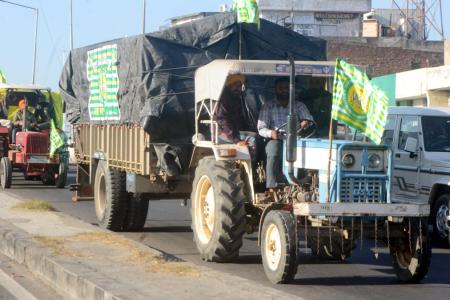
point(301, 132)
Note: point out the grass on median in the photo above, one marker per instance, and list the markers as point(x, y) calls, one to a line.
point(150, 262)
point(34, 205)
point(56, 245)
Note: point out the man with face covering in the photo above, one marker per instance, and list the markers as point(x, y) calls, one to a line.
point(230, 116)
point(272, 116)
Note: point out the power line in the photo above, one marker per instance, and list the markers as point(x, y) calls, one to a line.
point(35, 34)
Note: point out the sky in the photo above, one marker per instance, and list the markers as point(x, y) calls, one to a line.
point(93, 21)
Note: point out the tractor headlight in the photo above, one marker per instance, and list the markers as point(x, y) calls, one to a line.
point(374, 161)
point(348, 160)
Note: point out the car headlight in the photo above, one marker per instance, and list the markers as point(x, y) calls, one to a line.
point(348, 160)
point(374, 161)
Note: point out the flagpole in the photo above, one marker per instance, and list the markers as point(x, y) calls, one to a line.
point(330, 135)
point(240, 41)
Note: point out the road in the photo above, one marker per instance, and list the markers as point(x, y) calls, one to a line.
point(361, 277)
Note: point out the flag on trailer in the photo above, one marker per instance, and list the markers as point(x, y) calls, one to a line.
point(55, 139)
point(103, 77)
point(247, 11)
point(357, 102)
point(2, 77)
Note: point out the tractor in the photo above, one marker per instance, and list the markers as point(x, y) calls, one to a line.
point(26, 148)
point(337, 192)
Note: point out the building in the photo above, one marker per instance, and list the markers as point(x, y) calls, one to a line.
point(427, 87)
point(321, 18)
point(392, 23)
point(189, 18)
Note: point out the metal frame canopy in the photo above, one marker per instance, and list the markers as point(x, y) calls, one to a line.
point(210, 79)
point(23, 87)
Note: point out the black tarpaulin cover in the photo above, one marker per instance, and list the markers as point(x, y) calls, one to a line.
point(155, 72)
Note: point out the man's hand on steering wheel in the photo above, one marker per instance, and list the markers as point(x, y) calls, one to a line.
point(304, 124)
point(274, 135)
point(305, 128)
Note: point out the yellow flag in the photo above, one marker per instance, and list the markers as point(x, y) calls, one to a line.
point(55, 139)
point(247, 11)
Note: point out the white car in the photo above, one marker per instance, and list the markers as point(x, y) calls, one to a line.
point(420, 139)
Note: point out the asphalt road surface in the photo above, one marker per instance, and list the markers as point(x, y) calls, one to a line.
point(361, 277)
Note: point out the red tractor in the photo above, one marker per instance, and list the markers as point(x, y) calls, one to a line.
point(26, 148)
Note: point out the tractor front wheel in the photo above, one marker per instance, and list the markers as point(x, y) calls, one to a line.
point(278, 247)
point(411, 251)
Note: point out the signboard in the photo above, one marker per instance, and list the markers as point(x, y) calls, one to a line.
point(334, 16)
point(314, 70)
point(103, 83)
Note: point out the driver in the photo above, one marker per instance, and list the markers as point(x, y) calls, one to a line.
point(272, 116)
point(18, 120)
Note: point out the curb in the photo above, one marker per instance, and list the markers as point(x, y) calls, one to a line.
point(18, 246)
point(69, 277)
point(77, 280)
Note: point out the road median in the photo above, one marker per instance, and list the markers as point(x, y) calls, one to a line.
point(83, 261)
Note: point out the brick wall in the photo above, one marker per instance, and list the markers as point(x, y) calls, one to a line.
point(383, 60)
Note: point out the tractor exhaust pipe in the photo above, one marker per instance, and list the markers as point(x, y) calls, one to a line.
point(25, 116)
point(291, 141)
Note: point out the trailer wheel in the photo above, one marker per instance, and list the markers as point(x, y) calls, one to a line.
point(5, 173)
point(136, 213)
point(61, 175)
point(278, 248)
point(110, 197)
point(441, 220)
point(411, 254)
point(218, 213)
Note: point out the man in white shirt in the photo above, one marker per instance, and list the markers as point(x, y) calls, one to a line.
point(272, 116)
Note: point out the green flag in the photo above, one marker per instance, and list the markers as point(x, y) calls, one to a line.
point(357, 102)
point(55, 139)
point(247, 11)
point(2, 77)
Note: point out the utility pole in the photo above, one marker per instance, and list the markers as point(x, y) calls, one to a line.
point(143, 15)
point(35, 46)
point(35, 34)
point(71, 24)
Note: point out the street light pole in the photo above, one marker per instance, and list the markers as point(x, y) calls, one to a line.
point(143, 15)
point(35, 34)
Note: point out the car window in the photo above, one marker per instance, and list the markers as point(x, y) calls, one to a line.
point(388, 134)
point(409, 128)
point(436, 133)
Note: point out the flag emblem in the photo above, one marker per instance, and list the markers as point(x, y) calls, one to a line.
point(357, 102)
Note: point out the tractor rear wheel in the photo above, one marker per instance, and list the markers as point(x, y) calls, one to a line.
point(218, 212)
point(5, 173)
point(110, 197)
point(411, 251)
